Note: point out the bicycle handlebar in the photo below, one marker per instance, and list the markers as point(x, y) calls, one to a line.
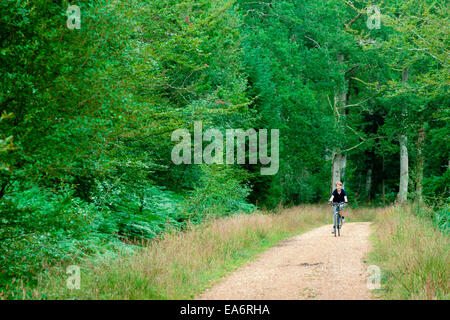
point(338, 203)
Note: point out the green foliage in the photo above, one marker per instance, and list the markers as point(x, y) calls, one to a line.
point(219, 192)
point(442, 218)
point(436, 187)
point(87, 116)
point(136, 213)
point(289, 76)
point(40, 226)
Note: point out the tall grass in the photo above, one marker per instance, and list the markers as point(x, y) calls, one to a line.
point(183, 264)
point(412, 254)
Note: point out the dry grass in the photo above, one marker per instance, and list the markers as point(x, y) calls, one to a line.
point(413, 255)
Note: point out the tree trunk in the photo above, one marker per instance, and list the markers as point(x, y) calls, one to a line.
point(404, 174)
point(403, 140)
point(368, 183)
point(338, 168)
point(339, 159)
point(420, 159)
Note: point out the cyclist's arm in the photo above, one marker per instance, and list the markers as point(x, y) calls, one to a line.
point(345, 198)
point(332, 196)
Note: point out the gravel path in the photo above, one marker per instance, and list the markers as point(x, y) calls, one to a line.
point(313, 265)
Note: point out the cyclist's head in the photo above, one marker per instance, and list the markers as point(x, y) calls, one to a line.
point(339, 185)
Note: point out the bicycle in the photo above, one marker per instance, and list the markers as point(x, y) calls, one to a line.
point(337, 218)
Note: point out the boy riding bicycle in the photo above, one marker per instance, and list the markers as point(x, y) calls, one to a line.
point(339, 195)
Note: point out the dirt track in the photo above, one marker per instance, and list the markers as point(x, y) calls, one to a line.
point(313, 265)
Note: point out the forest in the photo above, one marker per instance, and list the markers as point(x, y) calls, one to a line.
point(358, 90)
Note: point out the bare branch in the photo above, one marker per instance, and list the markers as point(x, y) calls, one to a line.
point(357, 104)
point(315, 42)
point(354, 20)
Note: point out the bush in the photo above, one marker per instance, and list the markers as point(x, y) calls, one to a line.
point(41, 226)
point(442, 218)
point(136, 212)
point(219, 192)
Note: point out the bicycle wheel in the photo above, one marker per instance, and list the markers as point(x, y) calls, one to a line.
point(339, 224)
point(334, 223)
